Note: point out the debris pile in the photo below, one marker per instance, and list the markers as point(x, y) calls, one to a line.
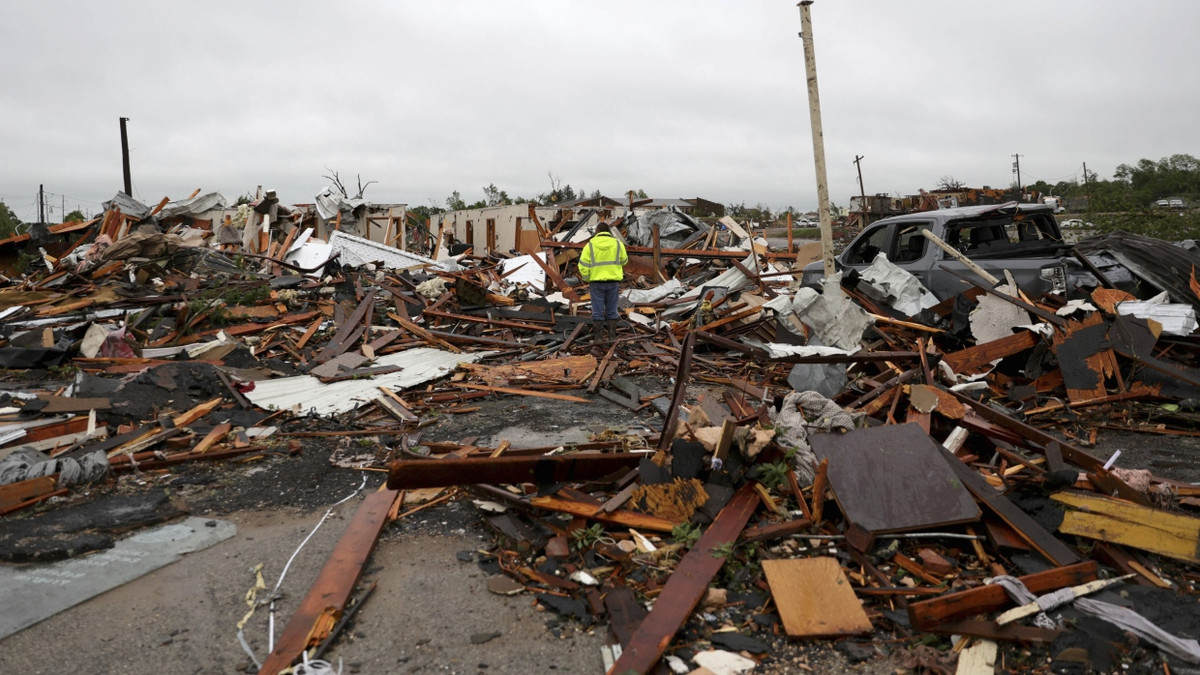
point(858, 461)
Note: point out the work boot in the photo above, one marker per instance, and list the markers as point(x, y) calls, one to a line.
point(611, 326)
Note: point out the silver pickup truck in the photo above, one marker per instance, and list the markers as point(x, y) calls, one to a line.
point(1021, 238)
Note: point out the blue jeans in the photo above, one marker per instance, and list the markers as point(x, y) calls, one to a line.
point(604, 299)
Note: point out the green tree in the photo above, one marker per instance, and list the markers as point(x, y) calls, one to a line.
point(1170, 176)
point(75, 216)
point(455, 202)
point(494, 196)
point(8, 221)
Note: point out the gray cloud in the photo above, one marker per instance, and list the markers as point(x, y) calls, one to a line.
point(700, 98)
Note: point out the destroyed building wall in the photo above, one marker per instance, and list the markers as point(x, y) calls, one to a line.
point(493, 228)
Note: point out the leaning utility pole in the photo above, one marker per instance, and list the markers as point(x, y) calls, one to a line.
point(1017, 170)
point(1087, 187)
point(125, 157)
point(862, 193)
point(818, 140)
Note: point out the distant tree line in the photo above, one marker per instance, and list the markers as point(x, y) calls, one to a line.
point(1133, 187)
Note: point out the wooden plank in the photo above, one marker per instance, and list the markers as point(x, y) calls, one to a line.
point(927, 615)
point(1171, 534)
point(17, 493)
point(638, 521)
point(216, 435)
point(972, 359)
point(686, 586)
point(814, 598)
point(327, 597)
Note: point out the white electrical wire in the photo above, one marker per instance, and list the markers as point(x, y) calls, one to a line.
point(275, 591)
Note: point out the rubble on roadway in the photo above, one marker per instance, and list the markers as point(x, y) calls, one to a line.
point(853, 462)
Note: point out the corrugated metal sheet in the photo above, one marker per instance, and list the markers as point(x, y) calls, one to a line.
point(357, 251)
point(417, 366)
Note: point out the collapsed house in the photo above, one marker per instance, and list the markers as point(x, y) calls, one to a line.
point(841, 462)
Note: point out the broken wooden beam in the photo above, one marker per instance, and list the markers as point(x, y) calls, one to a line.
point(928, 615)
point(327, 597)
point(686, 586)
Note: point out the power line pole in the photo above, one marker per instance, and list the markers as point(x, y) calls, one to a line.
point(1017, 170)
point(41, 203)
point(1087, 187)
point(862, 193)
point(125, 157)
point(814, 113)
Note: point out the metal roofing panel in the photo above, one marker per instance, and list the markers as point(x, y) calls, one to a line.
point(417, 366)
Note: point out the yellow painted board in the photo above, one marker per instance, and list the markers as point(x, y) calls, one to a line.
point(1177, 524)
point(1120, 522)
point(814, 598)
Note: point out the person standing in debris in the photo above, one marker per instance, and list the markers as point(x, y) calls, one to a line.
point(602, 266)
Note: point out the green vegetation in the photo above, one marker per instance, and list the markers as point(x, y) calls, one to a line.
point(686, 534)
point(584, 538)
point(8, 221)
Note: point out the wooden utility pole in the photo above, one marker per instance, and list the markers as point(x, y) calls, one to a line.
point(1087, 187)
point(125, 157)
point(1017, 170)
point(41, 203)
point(818, 139)
point(862, 193)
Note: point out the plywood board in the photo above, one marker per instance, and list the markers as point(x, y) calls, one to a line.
point(893, 479)
point(814, 598)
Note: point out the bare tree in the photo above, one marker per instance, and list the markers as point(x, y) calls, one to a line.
point(337, 183)
point(949, 182)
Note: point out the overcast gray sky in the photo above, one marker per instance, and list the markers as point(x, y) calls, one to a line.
point(679, 98)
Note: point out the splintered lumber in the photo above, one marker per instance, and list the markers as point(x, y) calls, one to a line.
point(1042, 541)
point(564, 370)
point(410, 474)
point(676, 501)
point(327, 597)
point(814, 598)
point(523, 392)
point(638, 521)
point(686, 586)
point(1040, 439)
point(972, 359)
point(1170, 534)
point(682, 375)
point(930, 615)
point(1085, 358)
point(177, 424)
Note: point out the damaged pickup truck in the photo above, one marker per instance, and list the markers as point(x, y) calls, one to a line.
point(1021, 238)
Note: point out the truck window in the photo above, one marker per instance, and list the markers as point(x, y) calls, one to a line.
point(864, 250)
point(910, 243)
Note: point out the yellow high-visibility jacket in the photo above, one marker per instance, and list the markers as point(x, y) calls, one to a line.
point(603, 259)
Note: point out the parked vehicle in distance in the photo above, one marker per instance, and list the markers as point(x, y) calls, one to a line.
point(1024, 239)
point(1176, 203)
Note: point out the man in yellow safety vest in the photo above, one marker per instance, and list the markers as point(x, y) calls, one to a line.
point(602, 265)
